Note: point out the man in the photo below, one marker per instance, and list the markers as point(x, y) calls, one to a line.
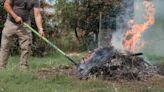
point(19, 12)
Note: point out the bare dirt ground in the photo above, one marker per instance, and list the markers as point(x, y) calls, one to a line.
point(69, 71)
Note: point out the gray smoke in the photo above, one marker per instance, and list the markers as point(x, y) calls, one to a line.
point(122, 19)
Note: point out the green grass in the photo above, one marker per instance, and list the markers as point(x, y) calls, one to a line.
point(14, 80)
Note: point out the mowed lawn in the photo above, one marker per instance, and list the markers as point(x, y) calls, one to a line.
point(14, 80)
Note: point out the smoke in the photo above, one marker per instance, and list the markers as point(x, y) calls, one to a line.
point(152, 37)
point(122, 19)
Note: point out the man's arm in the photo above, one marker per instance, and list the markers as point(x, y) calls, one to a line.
point(9, 9)
point(38, 20)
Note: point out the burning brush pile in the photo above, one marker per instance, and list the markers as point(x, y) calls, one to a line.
point(110, 63)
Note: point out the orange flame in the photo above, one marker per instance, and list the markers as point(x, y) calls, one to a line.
point(132, 37)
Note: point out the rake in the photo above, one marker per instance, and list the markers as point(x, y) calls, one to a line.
point(51, 44)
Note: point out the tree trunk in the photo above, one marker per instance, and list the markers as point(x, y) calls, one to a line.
point(76, 34)
point(105, 37)
point(114, 22)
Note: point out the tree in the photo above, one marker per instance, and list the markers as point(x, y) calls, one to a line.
point(84, 16)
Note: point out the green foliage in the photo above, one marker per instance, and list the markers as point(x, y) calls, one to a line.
point(82, 16)
point(91, 9)
point(67, 42)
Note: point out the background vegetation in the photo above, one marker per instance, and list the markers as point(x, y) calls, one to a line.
point(71, 25)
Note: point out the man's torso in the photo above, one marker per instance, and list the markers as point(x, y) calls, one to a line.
point(23, 7)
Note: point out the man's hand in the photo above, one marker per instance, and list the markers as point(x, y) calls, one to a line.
point(8, 8)
point(18, 19)
point(41, 32)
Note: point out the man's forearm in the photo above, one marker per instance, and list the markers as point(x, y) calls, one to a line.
point(9, 9)
point(38, 20)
